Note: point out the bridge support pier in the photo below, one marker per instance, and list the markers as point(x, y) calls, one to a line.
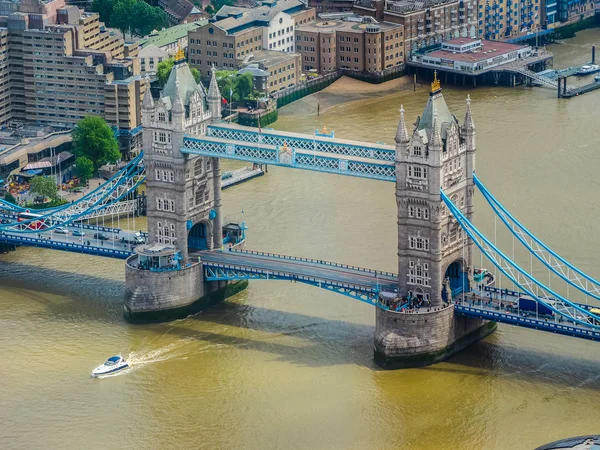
point(169, 295)
point(405, 340)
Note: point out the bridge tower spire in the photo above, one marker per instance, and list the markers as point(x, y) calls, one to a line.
point(434, 255)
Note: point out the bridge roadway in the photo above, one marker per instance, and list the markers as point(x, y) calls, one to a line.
point(501, 305)
point(360, 283)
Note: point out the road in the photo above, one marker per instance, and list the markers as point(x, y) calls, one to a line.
point(298, 267)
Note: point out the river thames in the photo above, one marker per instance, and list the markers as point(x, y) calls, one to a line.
point(288, 366)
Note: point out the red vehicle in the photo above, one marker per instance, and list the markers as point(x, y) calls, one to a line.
point(30, 218)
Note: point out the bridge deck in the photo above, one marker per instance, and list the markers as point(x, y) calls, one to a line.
point(315, 269)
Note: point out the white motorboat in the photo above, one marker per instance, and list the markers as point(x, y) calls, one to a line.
point(112, 365)
point(588, 69)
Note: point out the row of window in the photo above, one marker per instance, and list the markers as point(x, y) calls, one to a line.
point(418, 273)
point(165, 205)
point(418, 243)
point(164, 175)
point(165, 234)
point(418, 212)
point(280, 32)
point(417, 172)
point(162, 137)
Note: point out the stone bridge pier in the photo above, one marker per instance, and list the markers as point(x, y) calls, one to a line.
point(435, 257)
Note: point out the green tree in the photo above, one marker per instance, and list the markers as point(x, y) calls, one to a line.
point(218, 4)
point(95, 140)
point(209, 9)
point(10, 198)
point(44, 186)
point(244, 83)
point(104, 8)
point(163, 70)
point(84, 168)
point(136, 16)
point(196, 74)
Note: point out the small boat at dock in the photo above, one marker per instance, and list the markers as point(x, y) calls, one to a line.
point(588, 69)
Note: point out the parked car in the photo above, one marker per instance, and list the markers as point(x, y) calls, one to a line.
point(78, 233)
point(100, 236)
point(61, 230)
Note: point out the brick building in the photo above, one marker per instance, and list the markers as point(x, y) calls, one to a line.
point(326, 46)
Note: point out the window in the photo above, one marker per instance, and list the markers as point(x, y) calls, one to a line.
point(417, 151)
point(207, 165)
point(417, 172)
point(161, 116)
point(418, 243)
point(198, 167)
point(162, 136)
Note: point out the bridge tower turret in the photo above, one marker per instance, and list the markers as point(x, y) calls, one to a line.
point(434, 255)
point(183, 195)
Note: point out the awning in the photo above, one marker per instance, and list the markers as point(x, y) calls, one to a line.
point(34, 172)
point(37, 165)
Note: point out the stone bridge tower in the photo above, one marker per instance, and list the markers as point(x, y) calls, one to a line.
point(164, 279)
point(184, 192)
point(435, 258)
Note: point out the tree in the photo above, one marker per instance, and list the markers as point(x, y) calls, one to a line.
point(209, 9)
point(104, 8)
point(10, 198)
point(218, 4)
point(163, 70)
point(135, 16)
point(44, 186)
point(95, 140)
point(84, 168)
point(196, 74)
point(244, 83)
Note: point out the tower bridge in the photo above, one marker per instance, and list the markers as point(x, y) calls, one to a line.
point(435, 305)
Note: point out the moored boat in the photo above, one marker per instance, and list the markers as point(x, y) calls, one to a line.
point(588, 69)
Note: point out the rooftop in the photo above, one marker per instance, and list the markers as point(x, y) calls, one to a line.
point(155, 249)
point(170, 35)
point(488, 50)
point(236, 18)
point(409, 6)
point(342, 25)
point(270, 57)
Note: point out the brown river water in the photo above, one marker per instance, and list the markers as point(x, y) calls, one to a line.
point(288, 366)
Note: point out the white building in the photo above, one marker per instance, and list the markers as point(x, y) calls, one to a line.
point(280, 33)
point(150, 57)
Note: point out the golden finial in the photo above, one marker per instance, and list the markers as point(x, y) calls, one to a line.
point(179, 56)
point(285, 147)
point(324, 129)
point(435, 86)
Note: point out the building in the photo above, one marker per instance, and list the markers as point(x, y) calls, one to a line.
point(29, 145)
point(329, 6)
point(179, 11)
point(171, 39)
point(426, 22)
point(497, 20)
point(235, 32)
point(60, 64)
point(161, 45)
point(272, 70)
point(472, 56)
point(330, 45)
point(150, 57)
point(573, 10)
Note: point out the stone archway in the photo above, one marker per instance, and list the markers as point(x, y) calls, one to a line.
point(199, 237)
point(455, 280)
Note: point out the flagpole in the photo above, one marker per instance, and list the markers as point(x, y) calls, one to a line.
point(230, 96)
